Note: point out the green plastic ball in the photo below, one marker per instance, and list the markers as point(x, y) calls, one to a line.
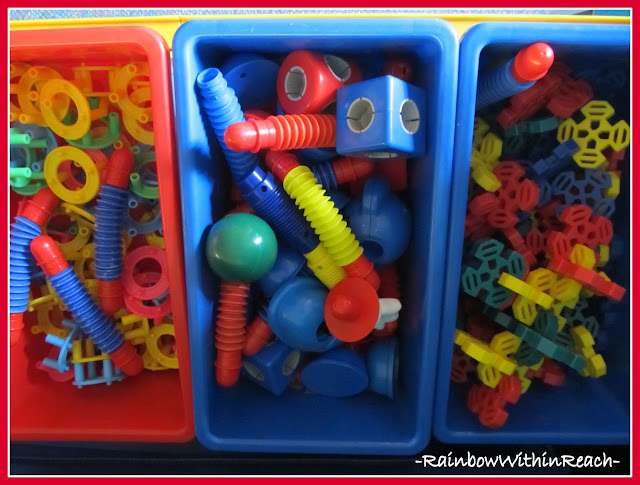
point(241, 247)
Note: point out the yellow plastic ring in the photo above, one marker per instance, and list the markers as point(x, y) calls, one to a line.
point(129, 105)
point(92, 184)
point(28, 97)
point(152, 345)
point(47, 101)
point(16, 70)
point(133, 125)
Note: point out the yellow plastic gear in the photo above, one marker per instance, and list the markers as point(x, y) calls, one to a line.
point(324, 267)
point(583, 256)
point(524, 310)
point(583, 343)
point(505, 343)
point(488, 375)
point(480, 129)
point(521, 372)
point(605, 253)
point(565, 290)
point(521, 288)
point(594, 134)
point(484, 158)
point(323, 216)
point(92, 177)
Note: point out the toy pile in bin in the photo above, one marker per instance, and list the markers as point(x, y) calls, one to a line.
point(308, 255)
point(86, 247)
point(538, 236)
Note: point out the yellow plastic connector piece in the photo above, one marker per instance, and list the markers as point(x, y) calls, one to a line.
point(480, 129)
point(78, 356)
point(488, 375)
point(324, 267)
point(51, 174)
point(134, 328)
point(59, 88)
point(484, 354)
point(323, 216)
point(594, 134)
point(583, 256)
point(163, 352)
point(48, 299)
point(521, 372)
point(16, 71)
point(80, 266)
point(485, 154)
point(605, 253)
point(29, 88)
point(583, 343)
point(154, 240)
point(565, 290)
point(71, 249)
point(71, 208)
point(526, 290)
point(134, 126)
point(504, 343)
point(123, 81)
point(613, 191)
point(47, 318)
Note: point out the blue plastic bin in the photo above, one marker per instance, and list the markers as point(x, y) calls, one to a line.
point(584, 411)
point(246, 417)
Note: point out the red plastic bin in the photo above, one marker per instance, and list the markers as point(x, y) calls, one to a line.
point(153, 406)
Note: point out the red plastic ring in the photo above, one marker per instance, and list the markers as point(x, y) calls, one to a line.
point(132, 285)
point(308, 82)
point(135, 305)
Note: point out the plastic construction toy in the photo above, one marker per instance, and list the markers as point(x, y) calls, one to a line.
point(594, 134)
point(87, 365)
point(557, 91)
point(581, 227)
point(308, 81)
point(27, 226)
point(325, 219)
point(282, 132)
point(482, 280)
point(337, 373)
point(273, 367)
point(296, 316)
point(381, 118)
point(253, 78)
point(92, 321)
point(488, 404)
point(560, 159)
point(342, 170)
point(389, 288)
point(288, 264)
point(486, 150)
point(61, 363)
point(490, 355)
point(258, 334)
point(536, 340)
point(222, 110)
point(380, 221)
point(518, 74)
point(591, 191)
point(241, 247)
point(108, 241)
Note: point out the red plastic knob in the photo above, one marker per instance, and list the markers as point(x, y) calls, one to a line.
point(126, 358)
point(119, 168)
point(282, 132)
point(38, 209)
point(351, 310)
point(308, 82)
point(48, 255)
point(532, 62)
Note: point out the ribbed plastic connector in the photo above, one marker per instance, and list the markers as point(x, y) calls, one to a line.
point(282, 132)
point(323, 216)
point(92, 320)
point(518, 74)
point(342, 171)
point(320, 262)
point(259, 333)
point(272, 204)
point(112, 202)
point(33, 214)
point(230, 331)
point(220, 103)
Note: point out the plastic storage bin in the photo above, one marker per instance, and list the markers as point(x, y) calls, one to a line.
point(584, 411)
point(246, 417)
point(153, 406)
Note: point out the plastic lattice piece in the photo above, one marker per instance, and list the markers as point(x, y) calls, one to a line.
point(594, 281)
point(482, 281)
point(485, 152)
point(488, 403)
point(594, 134)
point(531, 293)
point(484, 353)
point(581, 227)
point(581, 315)
point(591, 190)
point(536, 340)
point(559, 159)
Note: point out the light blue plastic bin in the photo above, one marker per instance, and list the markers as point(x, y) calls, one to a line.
point(585, 410)
point(246, 417)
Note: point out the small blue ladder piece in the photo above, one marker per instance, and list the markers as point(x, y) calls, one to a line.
point(62, 363)
point(109, 373)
